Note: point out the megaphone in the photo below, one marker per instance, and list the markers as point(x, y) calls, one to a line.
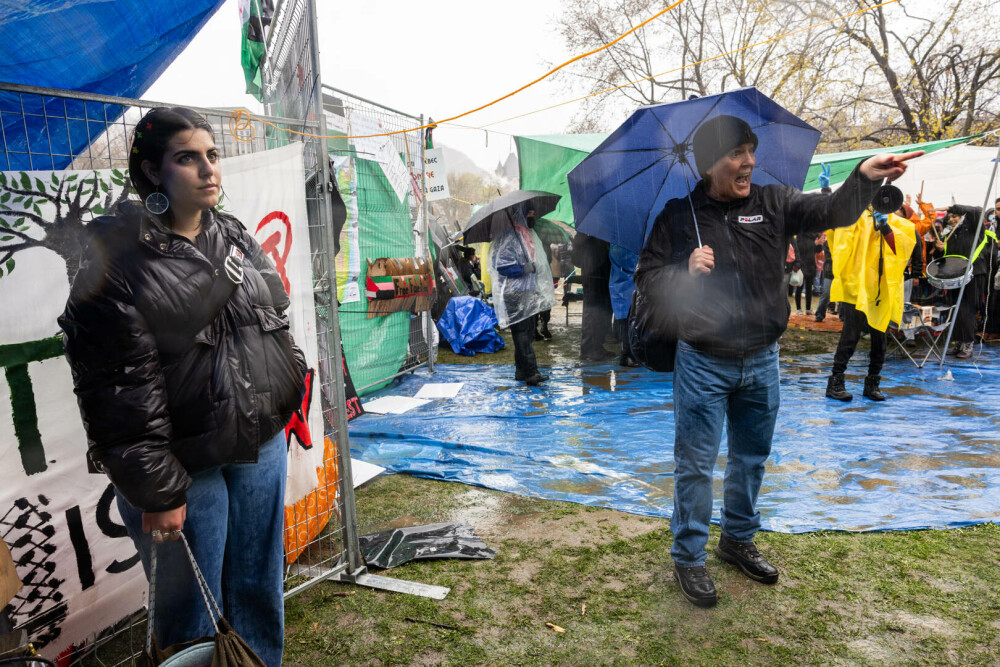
point(888, 199)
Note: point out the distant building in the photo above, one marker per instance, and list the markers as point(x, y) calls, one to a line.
point(509, 168)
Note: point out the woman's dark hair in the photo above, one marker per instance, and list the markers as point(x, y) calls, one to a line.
point(150, 137)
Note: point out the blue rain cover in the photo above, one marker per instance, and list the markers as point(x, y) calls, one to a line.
point(929, 457)
point(113, 48)
point(468, 325)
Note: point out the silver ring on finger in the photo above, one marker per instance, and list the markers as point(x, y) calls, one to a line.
point(175, 534)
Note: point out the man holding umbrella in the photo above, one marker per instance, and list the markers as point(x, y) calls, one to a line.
point(711, 271)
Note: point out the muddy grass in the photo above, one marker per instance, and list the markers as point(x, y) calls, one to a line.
point(902, 598)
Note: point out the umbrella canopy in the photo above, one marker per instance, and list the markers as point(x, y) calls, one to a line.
point(620, 188)
point(500, 213)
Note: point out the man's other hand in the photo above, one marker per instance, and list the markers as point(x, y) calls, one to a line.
point(887, 165)
point(702, 260)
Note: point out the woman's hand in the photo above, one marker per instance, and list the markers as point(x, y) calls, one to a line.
point(887, 165)
point(702, 260)
point(164, 525)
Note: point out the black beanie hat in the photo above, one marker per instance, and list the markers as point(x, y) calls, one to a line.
point(718, 136)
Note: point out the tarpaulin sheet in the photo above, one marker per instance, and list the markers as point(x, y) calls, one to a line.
point(929, 457)
point(468, 325)
point(114, 48)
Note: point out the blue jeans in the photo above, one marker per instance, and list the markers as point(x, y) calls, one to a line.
point(235, 523)
point(708, 391)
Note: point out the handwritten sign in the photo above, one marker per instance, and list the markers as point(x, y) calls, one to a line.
point(436, 175)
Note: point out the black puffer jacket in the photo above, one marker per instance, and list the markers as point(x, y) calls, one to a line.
point(740, 306)
point(160, 401)
point(962, 243)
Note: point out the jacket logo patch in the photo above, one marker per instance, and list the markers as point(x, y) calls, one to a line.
point(748, 219)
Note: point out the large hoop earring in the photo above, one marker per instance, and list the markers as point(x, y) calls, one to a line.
point(157, 202)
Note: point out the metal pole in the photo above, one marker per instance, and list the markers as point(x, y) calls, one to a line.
point(968, 268)
point(425, 232)
point(349, 516)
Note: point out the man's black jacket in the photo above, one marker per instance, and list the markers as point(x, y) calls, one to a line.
point(740, 307)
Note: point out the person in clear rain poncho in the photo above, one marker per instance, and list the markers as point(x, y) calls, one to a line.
point(522, 287)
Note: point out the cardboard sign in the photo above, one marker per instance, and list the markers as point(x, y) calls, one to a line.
point(399, 284)
point(9, 582)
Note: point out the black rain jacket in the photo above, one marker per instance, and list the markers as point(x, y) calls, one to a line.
point(741, 306)
point(961, 241)
point(160, 402)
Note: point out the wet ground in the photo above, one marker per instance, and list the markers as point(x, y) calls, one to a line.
point(602, 435)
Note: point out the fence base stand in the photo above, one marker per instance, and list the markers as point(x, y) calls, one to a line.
point(361, 577)
point(397, 585)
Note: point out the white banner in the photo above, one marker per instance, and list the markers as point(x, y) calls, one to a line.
point(78, 566)
point(436, 175)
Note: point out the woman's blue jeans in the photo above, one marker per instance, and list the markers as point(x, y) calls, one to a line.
point(741, 392)
point(235, 523)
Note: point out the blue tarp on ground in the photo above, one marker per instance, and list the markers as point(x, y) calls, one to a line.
point(929, 457)
point(468, 325)
point(114, 48)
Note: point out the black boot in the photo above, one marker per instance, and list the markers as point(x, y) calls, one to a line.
point(871, 388)
point(835, 388)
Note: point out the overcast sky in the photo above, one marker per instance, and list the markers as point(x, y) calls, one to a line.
point(439, 59)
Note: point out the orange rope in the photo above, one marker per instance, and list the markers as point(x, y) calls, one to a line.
point(241, 123)
point(677, 69)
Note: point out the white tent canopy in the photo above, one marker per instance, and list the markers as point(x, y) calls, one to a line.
point(959, 175)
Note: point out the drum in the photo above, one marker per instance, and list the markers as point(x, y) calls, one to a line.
point(949, 272)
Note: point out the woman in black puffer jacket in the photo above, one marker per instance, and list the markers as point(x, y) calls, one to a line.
point(186, 376)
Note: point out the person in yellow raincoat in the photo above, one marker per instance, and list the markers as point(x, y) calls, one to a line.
point(868, 282)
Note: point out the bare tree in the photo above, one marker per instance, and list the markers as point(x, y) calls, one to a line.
point(909, 72)
point(694, 49)
point(924, 73)
point(465, 187)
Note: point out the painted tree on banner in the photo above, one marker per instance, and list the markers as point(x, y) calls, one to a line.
point(76, 201)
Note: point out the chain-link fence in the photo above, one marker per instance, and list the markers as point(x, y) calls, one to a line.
point(380, 180)
point(378, 185)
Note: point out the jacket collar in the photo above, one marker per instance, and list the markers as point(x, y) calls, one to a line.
point(154, 234)
point(700, 198)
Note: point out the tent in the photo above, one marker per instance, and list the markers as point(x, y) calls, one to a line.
point(544, 161)
point(958, 175)
point(113, 48)
point(842, 164)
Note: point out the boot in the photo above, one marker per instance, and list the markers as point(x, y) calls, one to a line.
point(871, 388)
point(544, 330)
point(835, 388)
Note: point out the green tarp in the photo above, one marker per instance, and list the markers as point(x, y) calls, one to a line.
point(842, 164)
point(545, 160)
point(375, 348)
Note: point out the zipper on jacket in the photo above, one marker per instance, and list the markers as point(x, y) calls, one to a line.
point(739, 279)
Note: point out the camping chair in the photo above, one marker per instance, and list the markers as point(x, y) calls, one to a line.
point(914, 328)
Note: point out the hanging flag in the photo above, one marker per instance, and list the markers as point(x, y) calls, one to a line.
point(255, 17)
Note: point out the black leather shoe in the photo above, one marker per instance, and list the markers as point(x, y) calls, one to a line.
point(544, 330)
point(745, 556)
point(696, 586)
point(536, 379)
point(628, 361)
point(597, 355)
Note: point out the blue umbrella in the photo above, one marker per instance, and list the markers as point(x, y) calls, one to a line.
point(620, 188)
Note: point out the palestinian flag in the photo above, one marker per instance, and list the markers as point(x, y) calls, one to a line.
point(380, 287)
point(255, 17)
